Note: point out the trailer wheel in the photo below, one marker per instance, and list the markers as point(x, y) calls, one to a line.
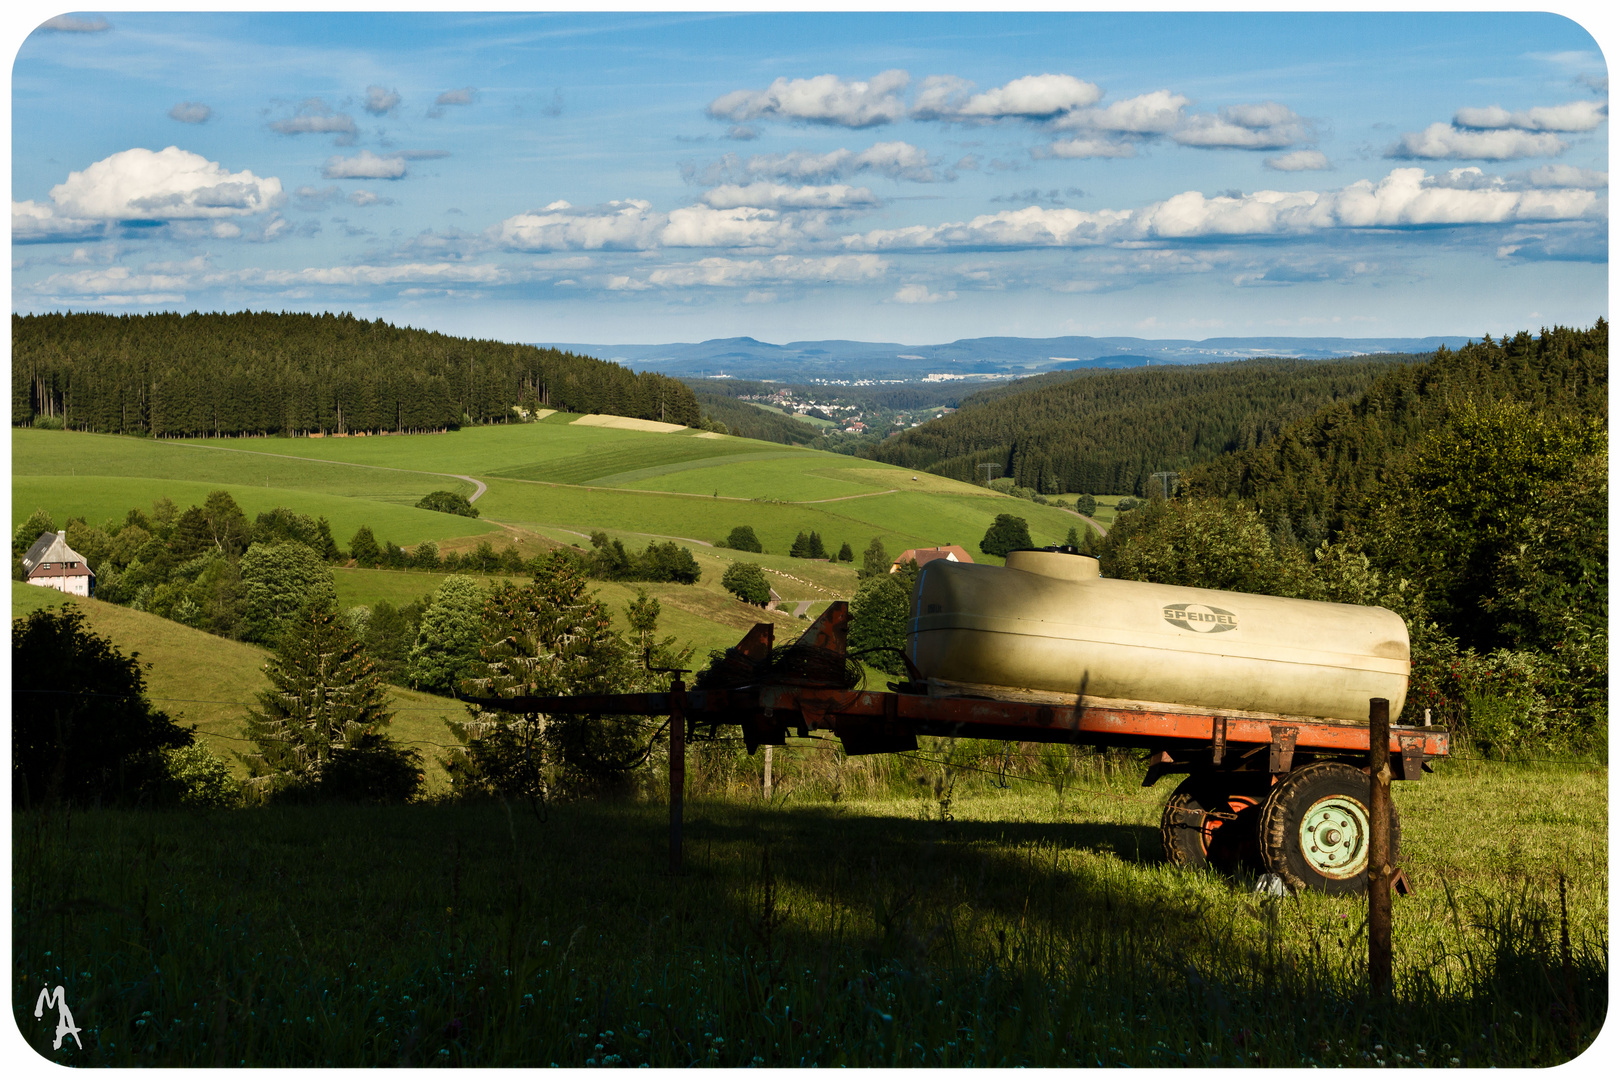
point(1211, 821)
point(1315, 829)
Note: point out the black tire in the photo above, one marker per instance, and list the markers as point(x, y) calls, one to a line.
point(1326, 801)
point(1194, 840)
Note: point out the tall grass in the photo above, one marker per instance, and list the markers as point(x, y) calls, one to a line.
point(997, 929)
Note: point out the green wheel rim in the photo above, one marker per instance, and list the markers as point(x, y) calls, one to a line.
point(1333, 837)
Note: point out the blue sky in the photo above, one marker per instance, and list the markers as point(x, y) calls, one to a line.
point(906, 177)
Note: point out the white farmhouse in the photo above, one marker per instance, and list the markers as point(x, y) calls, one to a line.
point(51, 563)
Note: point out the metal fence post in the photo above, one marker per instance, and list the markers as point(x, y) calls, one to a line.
point(1379, 868)
point(677, 768)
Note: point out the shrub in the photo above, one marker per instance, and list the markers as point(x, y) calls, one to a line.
point(1086, 504)
point(101, 742)
point(746, 581)
point(201, 780)
point(448, 502)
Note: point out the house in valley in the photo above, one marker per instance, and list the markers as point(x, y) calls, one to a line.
point(51, 563)
point(923, 556)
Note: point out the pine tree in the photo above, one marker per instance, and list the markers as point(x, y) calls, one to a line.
point(325, 694)
point(801, 547)
point(363, 547)
point(876, 560)
point(817, 550)
point(1073, 539)
point(845, 553)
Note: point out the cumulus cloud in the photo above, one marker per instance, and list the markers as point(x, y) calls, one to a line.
point(629, 224)
point(1266, 126)
point(362, 197)
point(1573, 116)
point(1299, 161)
point(380, 100)
point(823, 99)
point(1440, 141)
point(742, 226)
point(75, 24)
point(164, 185)
point(919, 294)
point(37, 223)
point(1406, 197)
point(786, 197)
point(191, 112)
point(463, 96)
point(787, 269)
point(364, 166)
point(1154, 113)
point(1033, 97)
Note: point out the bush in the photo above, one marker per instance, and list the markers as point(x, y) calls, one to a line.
point(746, 581)
point(448, 502)
point(372, 769)
point(1086, 504)
point(1129, 502)
point(742, 538)
point(200, 780)
point(101, 742)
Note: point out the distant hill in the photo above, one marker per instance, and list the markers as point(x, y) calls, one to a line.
point(842, 360)
point(1107, 432)
point(261, 373)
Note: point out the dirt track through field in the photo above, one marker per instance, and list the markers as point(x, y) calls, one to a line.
point(479, 485)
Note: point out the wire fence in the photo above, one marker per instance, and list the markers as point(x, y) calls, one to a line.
point(450, 705)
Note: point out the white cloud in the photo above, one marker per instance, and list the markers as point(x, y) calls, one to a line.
point(1087, 148)
point(380, 100)
point(630, 224)
point(463, 96)
point(362, 197)
point(1153, 113)
point(165, 185)
point(1299, 161)
point(896, 159)
point(1574, 116)
point(191, 112)
point(311, 199)
point(1406, 197)
point(1266, 126)
point(743, 226)
point(364, 166)
point(785, 197)
point(731, 273)
point(824, 99)
point(1033, 97)
point(919, 294)
point(315, 117)
point(1438, 141)
point(1567, 176)
point(471, 273)
point(33, 222)
point(75, 24)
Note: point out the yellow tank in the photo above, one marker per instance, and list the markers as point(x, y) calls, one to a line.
point(1048, 626)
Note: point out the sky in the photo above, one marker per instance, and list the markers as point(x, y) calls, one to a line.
point(913, 177)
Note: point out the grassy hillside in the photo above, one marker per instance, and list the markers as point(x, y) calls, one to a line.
point(554, 474)
point(201, 679)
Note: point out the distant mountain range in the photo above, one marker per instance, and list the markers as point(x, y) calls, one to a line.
point(850, 361)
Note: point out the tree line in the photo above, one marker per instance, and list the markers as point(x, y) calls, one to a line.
point(263, 373)
point(1109, 431)
point(1469, 494)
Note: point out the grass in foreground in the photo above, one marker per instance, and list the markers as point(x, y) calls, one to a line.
point(989, 929)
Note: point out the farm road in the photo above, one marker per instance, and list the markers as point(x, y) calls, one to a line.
point(478, 484)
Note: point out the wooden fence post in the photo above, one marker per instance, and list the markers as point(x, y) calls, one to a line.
point(677, 768)
point(1379, 868)
point(768, 749)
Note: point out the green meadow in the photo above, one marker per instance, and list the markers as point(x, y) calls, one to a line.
point(548, 475)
